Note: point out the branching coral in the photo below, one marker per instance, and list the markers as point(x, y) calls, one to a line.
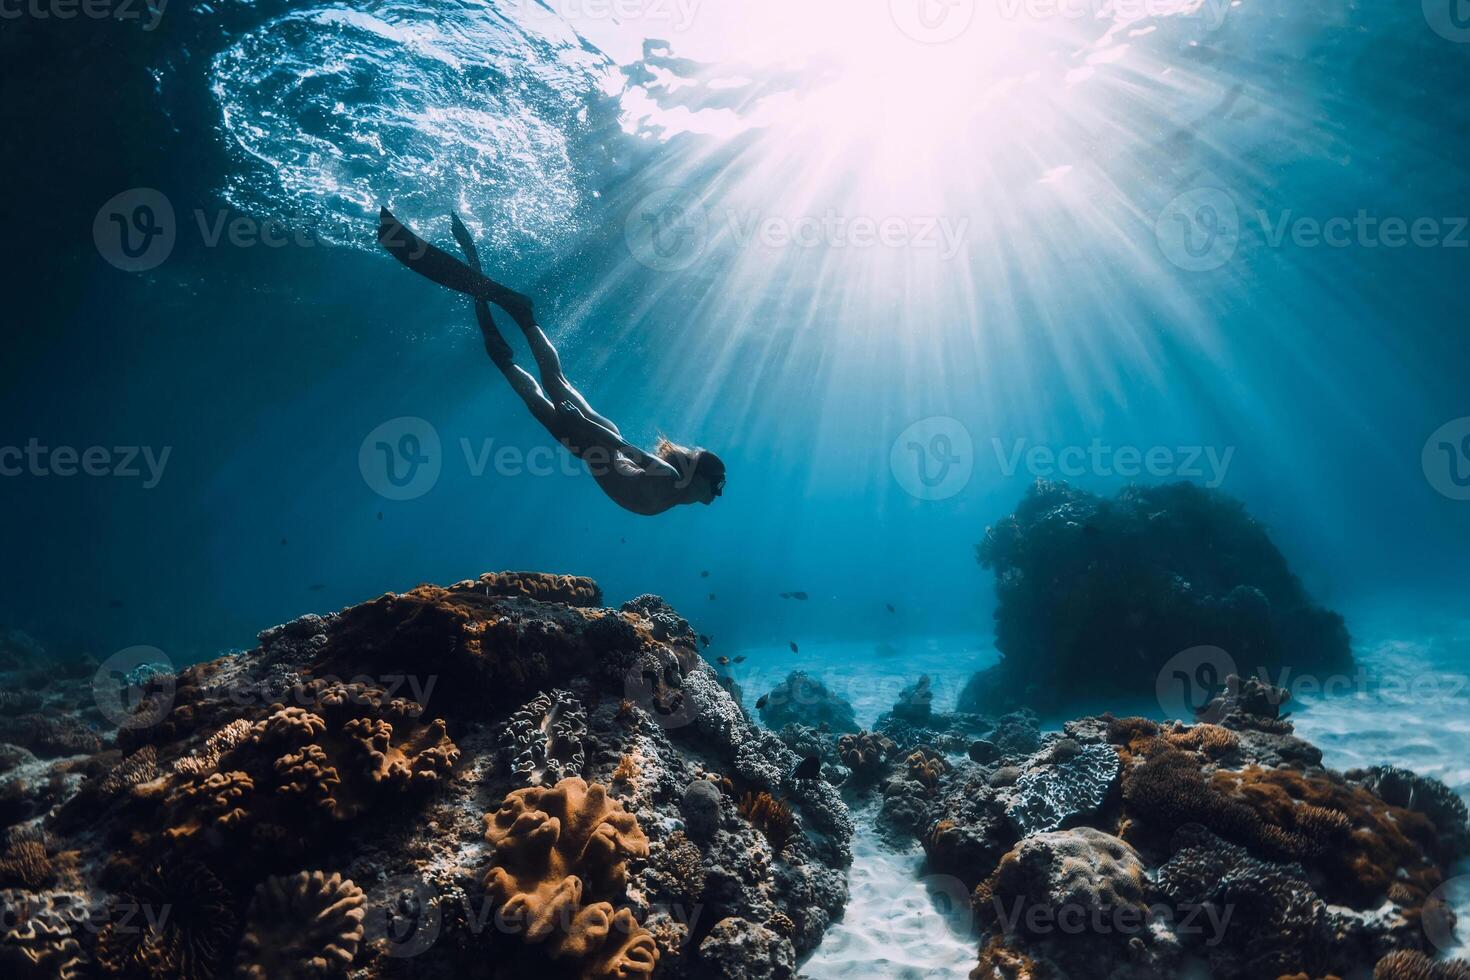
point(303, 925)
point(176, 922)
point(772, 817)
point(560, 863)
point(1409, 964)
point(542, 742)
point(677, 869)
point(140, 767)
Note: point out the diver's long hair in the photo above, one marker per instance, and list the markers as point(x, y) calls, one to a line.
point(691, 462)
point(673, 453)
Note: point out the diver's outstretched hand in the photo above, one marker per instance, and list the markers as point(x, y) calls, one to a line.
point(439, 266)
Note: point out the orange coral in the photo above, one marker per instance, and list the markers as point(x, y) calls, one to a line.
point(998, 962)
point(865, 752)
point(926, 767)
point(573, 590)
point(560, 862)
point(770, 816)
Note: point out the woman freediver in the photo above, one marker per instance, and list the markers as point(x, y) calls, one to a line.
point(642, 482)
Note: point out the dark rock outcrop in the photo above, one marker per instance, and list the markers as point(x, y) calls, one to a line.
point(1096, 595)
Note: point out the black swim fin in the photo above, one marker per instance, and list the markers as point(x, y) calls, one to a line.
point(466, 242)
point(439, 266)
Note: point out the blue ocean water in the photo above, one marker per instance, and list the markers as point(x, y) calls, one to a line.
point(892, 269)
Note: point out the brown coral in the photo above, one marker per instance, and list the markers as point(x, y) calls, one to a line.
point(926, 767)
point(865, 752)
point(999, 962)
point(573, 590)
point(176, 922)
point(27, 864)
point(303, 925)
point(772, 817)
point(39, 941)
point(560, 862)
point(1410, 964)
point(140, 767)
point(330, 757)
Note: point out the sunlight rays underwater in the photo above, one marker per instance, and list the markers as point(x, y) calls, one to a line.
point(809, 208)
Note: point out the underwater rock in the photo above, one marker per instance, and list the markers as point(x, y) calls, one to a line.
point(701, 809)
point(737, 949)
point(1049, 796)
point(915, 702)
point(806, 701)
point(570, 590)
point(1422, 794)
point(1095, 596)
point(266, 783)
point(542, 742)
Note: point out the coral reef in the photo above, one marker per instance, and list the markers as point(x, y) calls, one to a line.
point(865, 754)
point(1095, 596)
point(1408, 964)
point(304, 925)
point(368, 746)
point(770, 816)
point(803, 700)
point(1075, 785)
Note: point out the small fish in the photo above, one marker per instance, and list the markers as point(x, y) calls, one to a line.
point(705, 640)
point(760, 702)
point(317, 588)
point(809, 768)
point(799, 596)
point(380, 515)
point(723, 661)
point(711, 597)
point(793, 647)
point(704, 574)
point(740, 659)
point(622, 540)
point(890, 607)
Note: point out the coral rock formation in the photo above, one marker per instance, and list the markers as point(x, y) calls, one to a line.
point(804, 700)
point(542, 742)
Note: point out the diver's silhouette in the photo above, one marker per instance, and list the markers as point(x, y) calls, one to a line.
point(642, 482)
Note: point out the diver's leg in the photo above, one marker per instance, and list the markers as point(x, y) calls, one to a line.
point(548, 361)
point(500, 353)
